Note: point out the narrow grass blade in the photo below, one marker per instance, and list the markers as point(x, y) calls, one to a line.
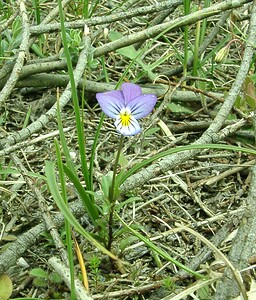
point(54, 189)
point(85, 197)
point(158, 250)
point(79, 123)
point(186, 38)
point(63, 139)
point(196, 60)
point(67, 225)
point(144, 163)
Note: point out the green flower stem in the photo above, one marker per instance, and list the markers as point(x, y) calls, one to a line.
point(112, 195)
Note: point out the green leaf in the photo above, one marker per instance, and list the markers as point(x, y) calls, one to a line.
point(239, 101)
point(5, 287)
point(151, 131)
point(119, 178)
point(106, 182)
point(40, 282)
point(231, 117)
point(39, 272)
point(203, 293)
point(128, 51)
point(127, 242)
point(251, 101)
point(16, 28)
point(124, 230)
point(249, 92)
point(127, 201)
point(131, 53)
point(177, 108)
point(123, 161)
point(55, 277)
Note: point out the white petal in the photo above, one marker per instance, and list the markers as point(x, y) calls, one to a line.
point(132, 129)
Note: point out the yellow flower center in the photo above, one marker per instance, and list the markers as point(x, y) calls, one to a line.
point(125, 118)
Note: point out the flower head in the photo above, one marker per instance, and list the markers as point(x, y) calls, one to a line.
point(126, 106)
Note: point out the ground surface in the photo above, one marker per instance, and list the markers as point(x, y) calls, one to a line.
point(187, 202)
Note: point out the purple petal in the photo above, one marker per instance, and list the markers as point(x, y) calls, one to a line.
point(130, 91)
point(132, 129)
point(143, 105)
point(111, 102)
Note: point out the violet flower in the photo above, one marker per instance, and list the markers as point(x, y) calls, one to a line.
point(126, 106)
